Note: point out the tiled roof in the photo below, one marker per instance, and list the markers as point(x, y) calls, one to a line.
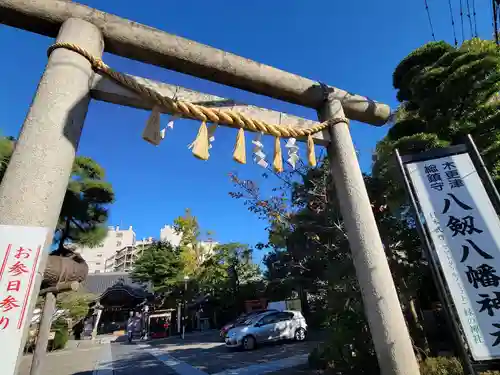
point(98, 283)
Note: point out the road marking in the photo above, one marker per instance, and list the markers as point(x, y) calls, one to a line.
point(105, 365)
point(181, 368)
point(267, 367)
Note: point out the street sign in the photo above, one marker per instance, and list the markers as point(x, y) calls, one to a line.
point(464, 230)
point(20, 254)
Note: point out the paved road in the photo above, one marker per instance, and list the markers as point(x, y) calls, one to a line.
point(198, 354)
point(209, 355)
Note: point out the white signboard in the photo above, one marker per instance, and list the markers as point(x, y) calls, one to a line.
point(20, 254)
point(465, 231)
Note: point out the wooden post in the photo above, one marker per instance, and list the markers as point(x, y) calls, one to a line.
point(49, 308)
point(42, 340)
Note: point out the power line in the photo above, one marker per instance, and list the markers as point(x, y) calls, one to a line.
point(462, 20)
point(495, 19)
point(474, 15)
point(453, 23)
point(470, 19)
point(430, 21)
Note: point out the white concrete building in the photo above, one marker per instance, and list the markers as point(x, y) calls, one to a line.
point(115, 240)
point(120, 249)
point(123, 259)
point(168, 233)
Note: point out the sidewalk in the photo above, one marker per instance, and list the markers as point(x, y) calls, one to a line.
point(81, 361)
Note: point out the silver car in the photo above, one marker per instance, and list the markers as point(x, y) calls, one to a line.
point(268, 327)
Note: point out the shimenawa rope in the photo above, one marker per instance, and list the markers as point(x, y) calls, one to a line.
point(202, 113)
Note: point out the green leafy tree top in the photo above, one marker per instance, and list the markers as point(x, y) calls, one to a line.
point(192, 252)
point(159, 264)
point(445, 94)
point(229, 265)
point(76, 304)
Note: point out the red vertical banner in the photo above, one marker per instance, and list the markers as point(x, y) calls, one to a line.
point(20, 254)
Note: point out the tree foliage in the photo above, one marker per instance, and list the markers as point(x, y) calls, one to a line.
point(309, 254)
point(84, 212)
point(76, 304)
point(446, 93)
point(192, 251)
point(229, 277)
point(229, 267)
point(6, 149)
point(160, 265)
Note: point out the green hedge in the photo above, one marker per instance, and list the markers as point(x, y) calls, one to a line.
point(61, 337)
point(321, 359)
point(441, 366)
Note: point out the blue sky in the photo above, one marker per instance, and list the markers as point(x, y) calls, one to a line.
point(354, 45)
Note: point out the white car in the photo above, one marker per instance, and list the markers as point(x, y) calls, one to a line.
point(268, 327)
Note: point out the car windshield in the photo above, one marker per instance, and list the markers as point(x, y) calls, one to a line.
point(247, 320)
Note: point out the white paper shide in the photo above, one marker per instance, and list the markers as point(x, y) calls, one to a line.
point(465, 232)
point(20, 254)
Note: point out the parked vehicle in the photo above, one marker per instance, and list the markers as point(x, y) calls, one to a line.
point(238, 321)
point(268, 327)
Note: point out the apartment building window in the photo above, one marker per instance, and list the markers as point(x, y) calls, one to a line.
point(118, 243)
point(99, 255)
point(119, 235)
point(98, 263)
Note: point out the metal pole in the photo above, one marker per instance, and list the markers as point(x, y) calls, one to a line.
point(42, 340)
point(33, 188)
point(390, 334)
point(446, 301)
point(495, 21)
point(483, 173)
point(185, 308)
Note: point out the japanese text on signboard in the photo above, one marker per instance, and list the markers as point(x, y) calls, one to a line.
point(460, 218)
point(20, 254)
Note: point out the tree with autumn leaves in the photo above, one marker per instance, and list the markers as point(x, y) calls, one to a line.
point(223, 272)
point(445, 93)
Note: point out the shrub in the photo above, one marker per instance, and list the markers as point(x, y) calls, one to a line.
point(61, 337)
point(349, 349)
point(441, 366)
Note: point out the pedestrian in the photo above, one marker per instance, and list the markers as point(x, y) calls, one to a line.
point(78, 329)
point(87, 327)
point(130, 326)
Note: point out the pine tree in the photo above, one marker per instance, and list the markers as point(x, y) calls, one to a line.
point(84, 213)
point(445, 94)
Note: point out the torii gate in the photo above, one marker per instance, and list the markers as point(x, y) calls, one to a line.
point(33, 188)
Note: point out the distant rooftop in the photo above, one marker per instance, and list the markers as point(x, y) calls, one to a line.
point(98, 283)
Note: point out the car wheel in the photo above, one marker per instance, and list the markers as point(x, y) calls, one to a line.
point(248, 343)
point(300, 334)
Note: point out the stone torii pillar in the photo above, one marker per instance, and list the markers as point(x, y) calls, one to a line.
point(382, 307)
point(35, 182)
